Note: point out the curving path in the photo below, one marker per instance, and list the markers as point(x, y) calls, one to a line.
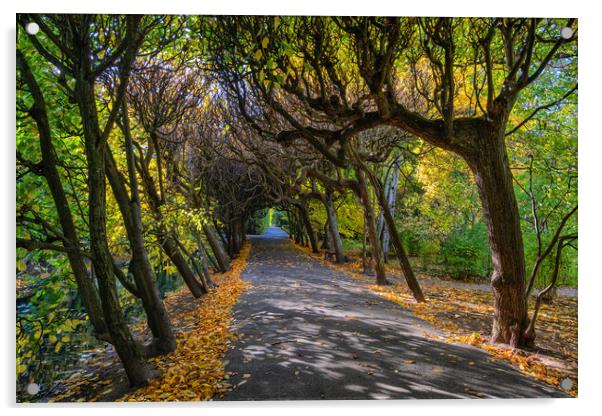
point(308, 332)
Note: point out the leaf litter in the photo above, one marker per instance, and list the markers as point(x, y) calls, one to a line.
point(466, 314)
point(195, 371)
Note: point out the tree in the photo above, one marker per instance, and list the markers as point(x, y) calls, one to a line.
point(48, 168)
point(72, 36)
point(336, 98)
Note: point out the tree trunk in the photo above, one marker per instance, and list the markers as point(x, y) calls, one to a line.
point(481, 143)
point(235, 229)
point(296, 228)
point(549, 297)
point(220, 234)
point(494, 181)
point(289, 224)
point(333, 225)
point(375, 248)
point(158, 320)
point(366, 269)
point(85, 285)
point(545, 295)
point(170, 247)
point(327, 243)
point(391, 197)
point(216, 246)
point(240, 234)
point(243, 231)
point(389, 220)
point(137, 370)
point(204, 258)
point(308, 228)
point(232, 239)
point(380, 232)
point(199, 272)
point(166, 240)
point(144, 276)
point(404, 262)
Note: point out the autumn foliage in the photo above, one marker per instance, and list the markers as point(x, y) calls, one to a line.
point(195, 371)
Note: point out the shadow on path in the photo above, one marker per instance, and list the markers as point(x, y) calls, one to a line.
point(309, 332)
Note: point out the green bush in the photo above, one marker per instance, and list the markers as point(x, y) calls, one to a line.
point(258, 222)
point(465, 252)
point(567, 276)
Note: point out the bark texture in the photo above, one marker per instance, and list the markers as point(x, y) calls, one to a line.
point(313, 241)
point(137, 370)
point(375, 249)
point(333, 228)
point(85, 284)
point(216, 246)
point(494, 181)
point(389, 220)
point(144, 276)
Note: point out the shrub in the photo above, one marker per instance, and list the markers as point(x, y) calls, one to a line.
point(465, 252)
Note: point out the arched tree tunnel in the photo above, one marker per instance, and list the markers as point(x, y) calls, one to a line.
point(172, 140)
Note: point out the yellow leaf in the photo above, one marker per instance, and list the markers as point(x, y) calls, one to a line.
point(21, 368)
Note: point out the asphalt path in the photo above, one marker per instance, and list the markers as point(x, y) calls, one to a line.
point(308, 332)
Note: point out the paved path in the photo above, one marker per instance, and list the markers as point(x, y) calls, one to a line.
point(308, 332)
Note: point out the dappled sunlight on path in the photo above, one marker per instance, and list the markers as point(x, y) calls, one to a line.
point(310, 332)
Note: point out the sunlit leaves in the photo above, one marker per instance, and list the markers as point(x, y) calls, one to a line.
point(195, 371)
